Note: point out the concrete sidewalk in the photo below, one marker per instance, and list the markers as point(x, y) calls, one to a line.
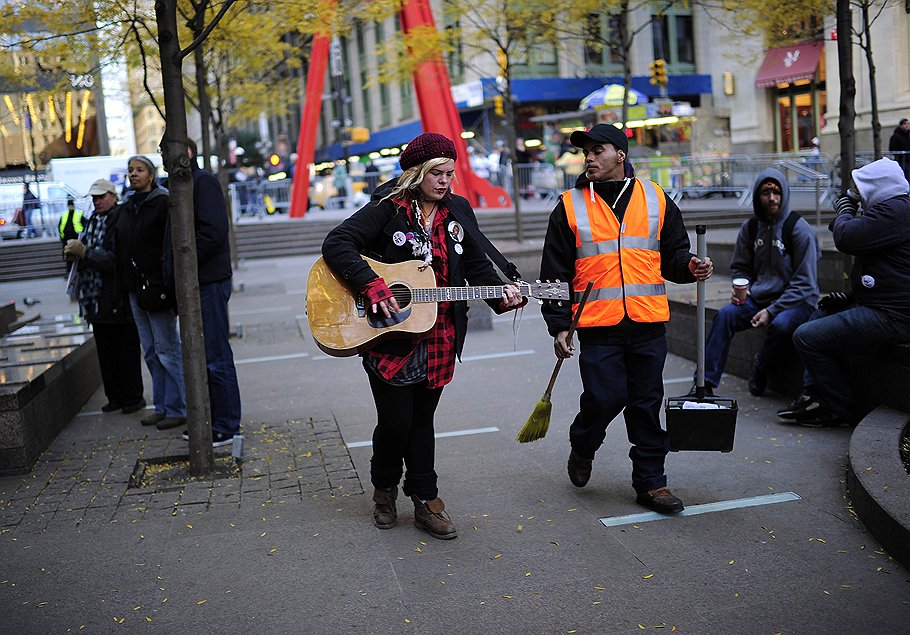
point(288, 546)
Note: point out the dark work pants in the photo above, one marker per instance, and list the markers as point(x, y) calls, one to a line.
point(120, 358)
point(224, 391)
point(624, 378)
point(404, 433)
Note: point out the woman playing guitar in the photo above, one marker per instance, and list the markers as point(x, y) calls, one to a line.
point(410, 218)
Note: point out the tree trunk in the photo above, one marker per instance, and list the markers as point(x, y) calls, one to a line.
point(846, 124)
point(205, 105)
point(873, 89)
point(180, 182)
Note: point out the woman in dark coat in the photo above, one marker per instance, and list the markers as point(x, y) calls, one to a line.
point(415, 216)
point(140, 244)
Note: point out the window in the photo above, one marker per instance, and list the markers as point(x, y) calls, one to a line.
point(673, 39)
point(385, 111)
point(455, 59)
point(539, 60)
point(364, 76)
point(601, 41)
point(405, 85)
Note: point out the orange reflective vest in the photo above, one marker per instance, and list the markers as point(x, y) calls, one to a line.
point(623, 261)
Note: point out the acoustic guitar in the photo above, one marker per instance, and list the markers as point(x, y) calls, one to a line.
point(342, 324)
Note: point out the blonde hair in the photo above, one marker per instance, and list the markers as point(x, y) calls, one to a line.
point(411, 179)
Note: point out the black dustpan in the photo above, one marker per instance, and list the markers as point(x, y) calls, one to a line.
point(699, 421)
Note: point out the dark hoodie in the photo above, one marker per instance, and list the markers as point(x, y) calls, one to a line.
point(879, 238)
point(778, 280)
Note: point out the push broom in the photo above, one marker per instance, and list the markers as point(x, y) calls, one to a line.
point(539, 421)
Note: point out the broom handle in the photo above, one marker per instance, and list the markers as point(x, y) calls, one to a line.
point(581, 306)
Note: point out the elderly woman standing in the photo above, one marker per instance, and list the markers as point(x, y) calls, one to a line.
point(140, 243)
point(411, 218)
point(104, 303)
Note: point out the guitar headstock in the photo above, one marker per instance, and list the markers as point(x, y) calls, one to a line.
point(546, 290)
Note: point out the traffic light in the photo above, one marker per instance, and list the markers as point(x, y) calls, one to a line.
point(355, 135)
point(498, 106)
point(658, 73)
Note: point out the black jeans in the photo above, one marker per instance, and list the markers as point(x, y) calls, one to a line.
point(628, 379)
point(404, 433)
point(120, 359)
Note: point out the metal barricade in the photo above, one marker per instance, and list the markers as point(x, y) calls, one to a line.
point(246, 200)
point(276, 196)
point(538, 181)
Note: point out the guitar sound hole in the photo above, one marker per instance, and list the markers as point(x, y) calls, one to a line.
point(402, 295)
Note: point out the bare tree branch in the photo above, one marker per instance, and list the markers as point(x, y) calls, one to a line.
point(145, 75)
point(208, 29)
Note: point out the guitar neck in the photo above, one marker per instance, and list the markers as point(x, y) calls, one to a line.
point(456, 294)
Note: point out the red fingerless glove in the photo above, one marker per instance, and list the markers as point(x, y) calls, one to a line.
point(376, 291)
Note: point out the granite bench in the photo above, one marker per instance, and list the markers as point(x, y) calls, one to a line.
point(48, 370)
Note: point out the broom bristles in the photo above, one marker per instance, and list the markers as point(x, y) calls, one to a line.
point(538, 423)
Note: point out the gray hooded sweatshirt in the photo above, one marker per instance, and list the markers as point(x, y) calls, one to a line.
point(777, 280)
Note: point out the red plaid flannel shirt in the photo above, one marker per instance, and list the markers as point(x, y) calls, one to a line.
point(441, 338)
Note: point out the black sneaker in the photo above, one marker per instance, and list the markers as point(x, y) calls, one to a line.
point(111, 407)
point(806, 406)
point(219, 439)
point(759, 379)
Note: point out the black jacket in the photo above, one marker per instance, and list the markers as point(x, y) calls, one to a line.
point(114, 304)
point(558, 263)
point(900, 142)
point(369, 232)
point(213, 247)
point(140, 237)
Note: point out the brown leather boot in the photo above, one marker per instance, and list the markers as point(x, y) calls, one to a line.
point(432, 517)
point(385, 511)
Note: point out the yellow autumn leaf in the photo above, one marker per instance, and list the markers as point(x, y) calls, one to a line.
point(731, 562)
point(528, 574)
point(648, 577)
point(417, 549)
point(508, 597)
point(189, 526)
point(498, 555)
point(201, 602)
point(601, 588)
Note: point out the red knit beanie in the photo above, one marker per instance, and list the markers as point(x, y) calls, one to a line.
point(429, 145)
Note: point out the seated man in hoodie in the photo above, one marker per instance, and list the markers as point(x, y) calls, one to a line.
point(877, 311)
point(777, 252)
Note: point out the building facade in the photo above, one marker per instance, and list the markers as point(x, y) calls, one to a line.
point(745, 97)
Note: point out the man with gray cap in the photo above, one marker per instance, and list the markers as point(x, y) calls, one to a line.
point(875, 313)
point(104, 302)
point(628, 237)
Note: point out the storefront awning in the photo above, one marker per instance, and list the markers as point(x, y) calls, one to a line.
point(786, 64)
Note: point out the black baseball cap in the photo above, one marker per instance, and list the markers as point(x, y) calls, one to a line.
point(603, 133)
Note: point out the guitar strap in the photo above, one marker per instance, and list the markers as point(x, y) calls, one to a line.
point(507, 268)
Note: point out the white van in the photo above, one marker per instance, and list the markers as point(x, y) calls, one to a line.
point(53, 196)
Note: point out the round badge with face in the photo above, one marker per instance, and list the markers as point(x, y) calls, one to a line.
point(456, 232)
point(399, 239)
point(458, 248)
